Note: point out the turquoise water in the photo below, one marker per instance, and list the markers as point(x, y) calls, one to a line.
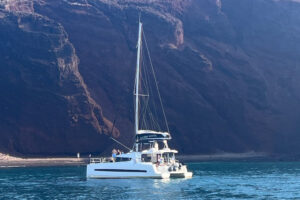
point(213, 180)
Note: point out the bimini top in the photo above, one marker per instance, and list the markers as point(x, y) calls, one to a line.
point(151, 132)
point(161, 151)
point(148, 135)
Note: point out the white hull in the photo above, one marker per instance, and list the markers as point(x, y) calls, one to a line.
point(127, 169)
point(131, 169)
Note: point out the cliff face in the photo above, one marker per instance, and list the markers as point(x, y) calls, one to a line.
point(45, 105)
point(227, 69)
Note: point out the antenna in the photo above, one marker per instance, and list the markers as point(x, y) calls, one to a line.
point(113, 126)
point(115, 139)
point(140, 16)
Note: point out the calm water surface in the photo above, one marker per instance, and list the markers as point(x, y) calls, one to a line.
point(214, 180)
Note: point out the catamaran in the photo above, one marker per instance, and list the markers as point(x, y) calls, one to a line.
point(150, 156)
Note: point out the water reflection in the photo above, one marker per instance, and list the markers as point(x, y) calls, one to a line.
point(211, 181)
point(137, 188)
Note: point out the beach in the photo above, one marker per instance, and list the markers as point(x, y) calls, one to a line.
point(11, 161)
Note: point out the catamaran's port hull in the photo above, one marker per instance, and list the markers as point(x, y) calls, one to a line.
point(125, 170)
point(129, 177)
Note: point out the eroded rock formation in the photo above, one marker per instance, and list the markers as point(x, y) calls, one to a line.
point(228, 72)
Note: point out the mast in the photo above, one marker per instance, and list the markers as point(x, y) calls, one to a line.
point(137, 79)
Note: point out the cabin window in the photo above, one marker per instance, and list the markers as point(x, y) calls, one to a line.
point(120, 159)
point(146, 157)
point(168, 157)
point(161, 145)
point(143, 146)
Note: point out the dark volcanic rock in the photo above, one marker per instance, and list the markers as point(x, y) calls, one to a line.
point(45, 106)
point(227, 69)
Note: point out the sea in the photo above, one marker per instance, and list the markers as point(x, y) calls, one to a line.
point(211, 180)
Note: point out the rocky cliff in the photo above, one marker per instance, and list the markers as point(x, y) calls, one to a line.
point(228, 71)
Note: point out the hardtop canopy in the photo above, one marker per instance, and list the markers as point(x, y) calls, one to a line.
point(150, 135)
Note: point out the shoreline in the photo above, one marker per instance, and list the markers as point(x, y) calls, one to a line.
point(43, 162)
point(249, 156)
point(10, 161)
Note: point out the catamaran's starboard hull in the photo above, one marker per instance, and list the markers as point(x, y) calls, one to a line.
point(181, 173)
point(124, 170)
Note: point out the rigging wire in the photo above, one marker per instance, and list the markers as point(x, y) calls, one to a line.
point(148, 112)
point(145, 98)
point(153, 114)
point(165, 118)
